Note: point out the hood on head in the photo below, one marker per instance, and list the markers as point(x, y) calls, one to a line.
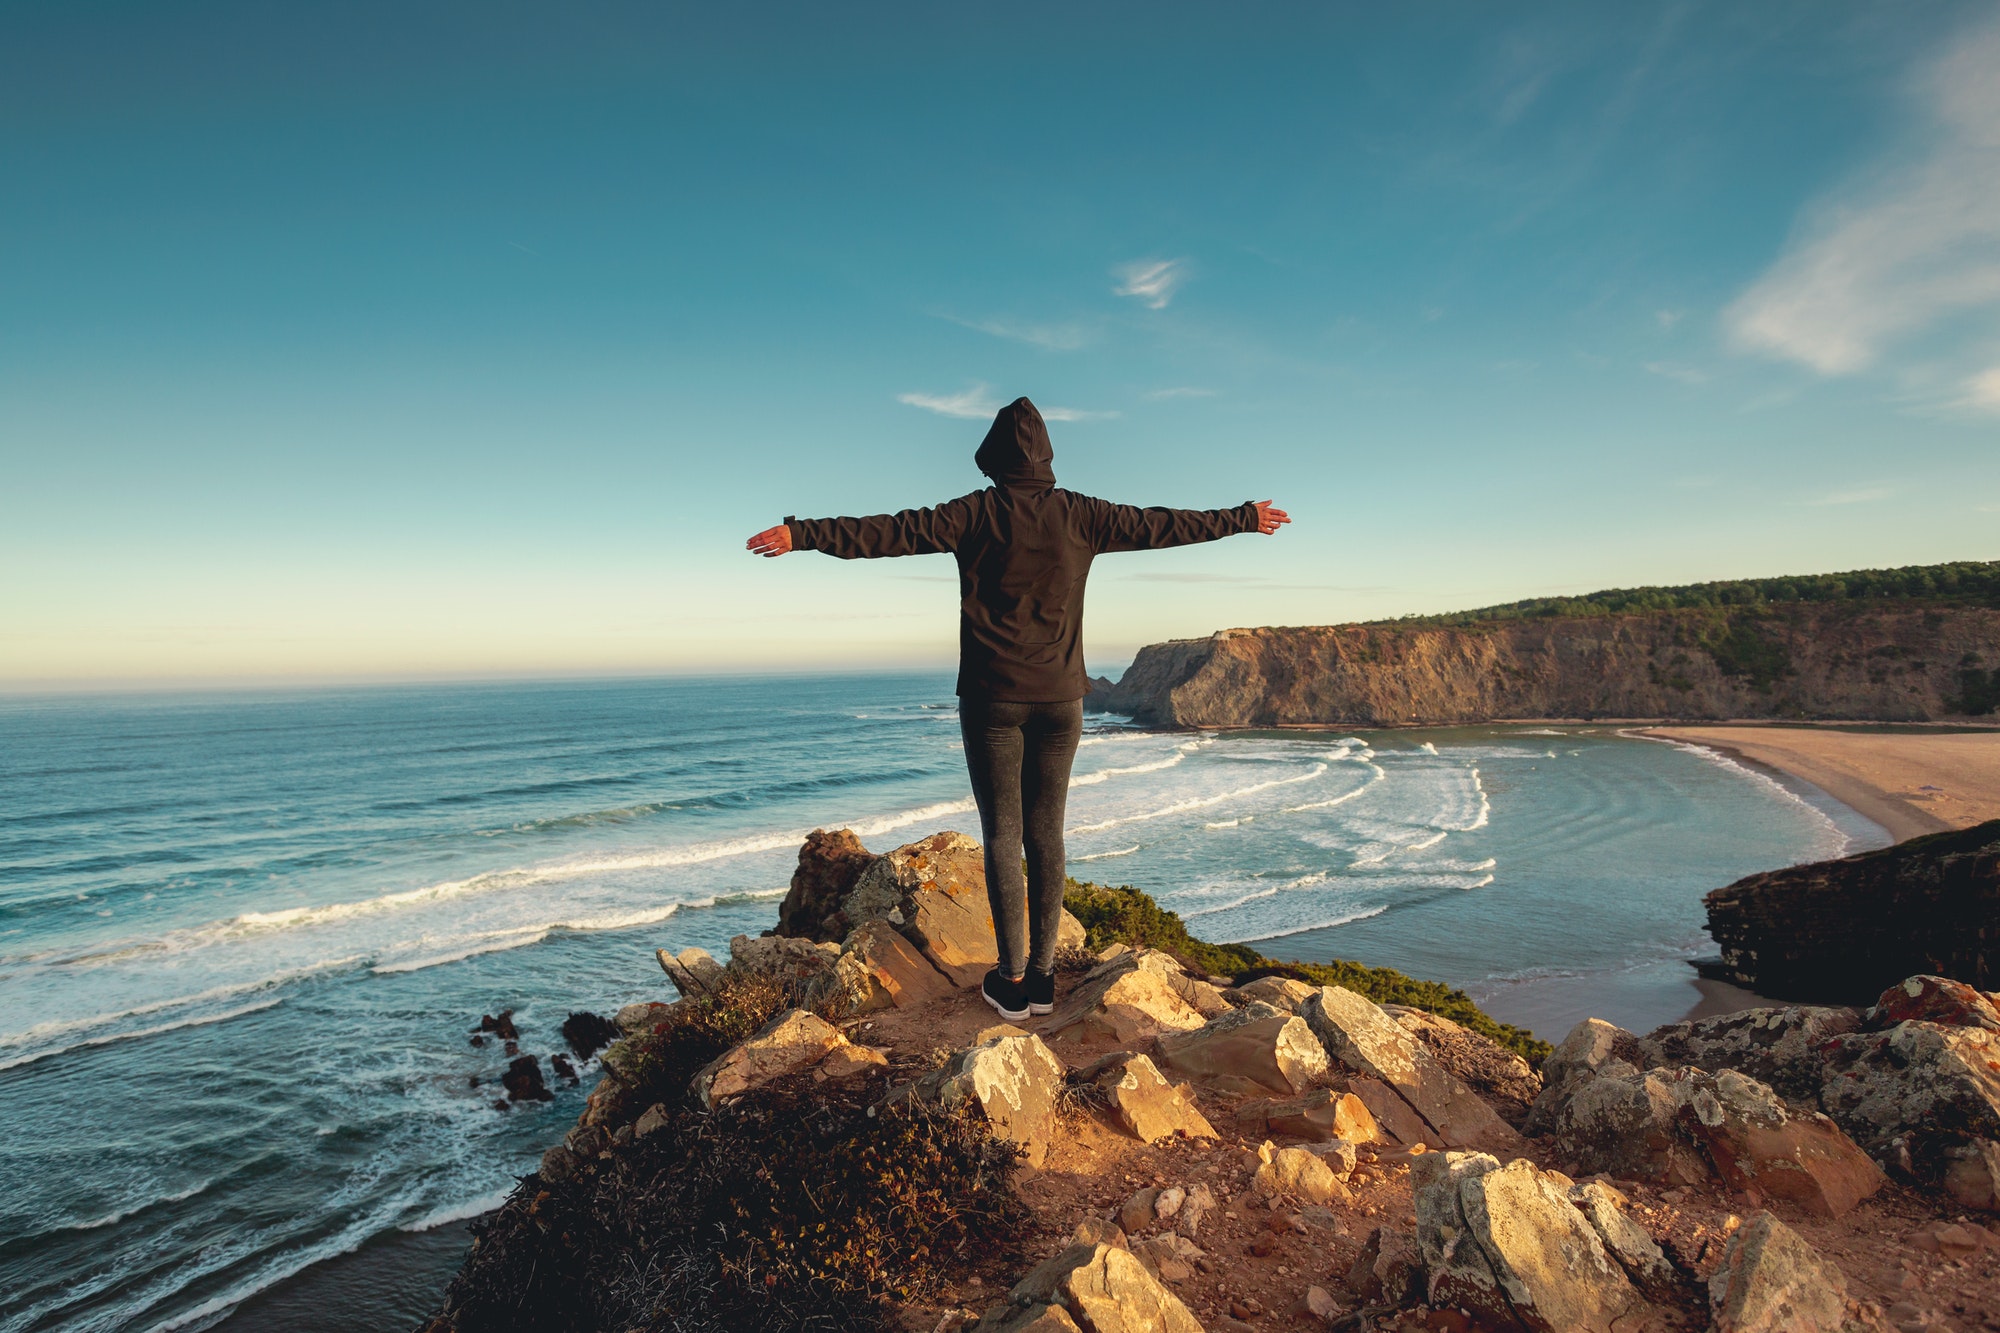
point(1016, 451)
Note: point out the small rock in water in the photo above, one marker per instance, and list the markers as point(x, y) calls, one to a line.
point(501, 1026)
point(523, 1081)
point(503, 1105)
point(560, 1063)
point(589, 1033)
point(512, 1049)
point(478, 1040)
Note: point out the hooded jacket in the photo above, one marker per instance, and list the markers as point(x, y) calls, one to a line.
point(1024, 548)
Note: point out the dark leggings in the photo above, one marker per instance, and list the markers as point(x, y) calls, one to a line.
point(1019, 757)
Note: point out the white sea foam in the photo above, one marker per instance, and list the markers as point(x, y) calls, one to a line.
point(1226, 823)
point(110, 1037)
point(458, 1212)
point(1200, 802)
point(1106, 856)
point(1106, 774)
point(121, 1214)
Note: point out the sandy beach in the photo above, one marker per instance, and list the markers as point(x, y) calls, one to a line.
point(1910, 782)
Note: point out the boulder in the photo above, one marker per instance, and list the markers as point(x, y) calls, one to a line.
point(935, 890)
point(1937, 1000)
point(1147, 1106)
point(1940, 1083)
point(1972, 1174)
point(1126, 998)
point(1294, 1173)
point(1590, 1046)
point(1771, 1281)
point(1784, 1046)
point(1104, 1289)
point(1501, 1078)
point(1624, 1123)
point(636, 1018)
point(829, 864)
point(790, 1043)
point(1136, 1213)
point(1278, 992)
point(1256, 1048)
point(1015, 1081)
point(1626, 1242)
point(1319, 1116)
point(879, 969)
point(1507, 1243)
point(1756, 1143)
point(780, 958)
point(1360, 1036)
point(693, 971)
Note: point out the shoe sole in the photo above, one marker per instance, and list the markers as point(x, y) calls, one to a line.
point(1040, 1009)
point(1009, 1014)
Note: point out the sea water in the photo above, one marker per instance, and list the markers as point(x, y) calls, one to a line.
point(243, 939)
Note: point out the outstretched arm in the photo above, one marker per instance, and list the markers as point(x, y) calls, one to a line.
point(907, 532)
point(1130, 528)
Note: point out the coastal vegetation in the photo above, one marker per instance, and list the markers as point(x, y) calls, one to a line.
point(1125, 915)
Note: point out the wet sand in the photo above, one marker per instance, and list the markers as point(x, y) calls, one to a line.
point(1911, 782)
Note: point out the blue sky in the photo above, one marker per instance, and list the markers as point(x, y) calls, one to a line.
point(455, 339)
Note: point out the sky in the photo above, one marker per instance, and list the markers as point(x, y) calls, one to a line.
point(455, 340)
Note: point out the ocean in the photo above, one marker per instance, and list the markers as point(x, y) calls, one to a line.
point(244, 938)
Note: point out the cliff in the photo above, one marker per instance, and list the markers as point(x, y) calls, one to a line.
point(1893, 659)
point(1840, 931)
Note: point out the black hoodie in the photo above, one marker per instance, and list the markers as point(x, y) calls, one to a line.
point(1024, 549)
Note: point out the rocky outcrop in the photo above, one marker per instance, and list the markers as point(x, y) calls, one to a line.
point(694, 972)
point(880, 969)
point(1757, 1144)
point(1502, 1079)
point(829, 863)
point(1256, 1049)
point(1780, 1046)
point(1358, 1034)
point(1878, 660)
point(1839, 931)
point(1131, 996)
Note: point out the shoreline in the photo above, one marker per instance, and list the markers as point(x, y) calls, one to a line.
point(1912, 783)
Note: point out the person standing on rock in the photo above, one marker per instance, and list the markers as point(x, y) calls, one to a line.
point(1024, 548)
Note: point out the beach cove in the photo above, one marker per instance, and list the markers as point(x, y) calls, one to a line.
point(351, 879)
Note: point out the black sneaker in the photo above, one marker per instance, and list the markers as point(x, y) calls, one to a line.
point(1008, 998)
point(1041, 991)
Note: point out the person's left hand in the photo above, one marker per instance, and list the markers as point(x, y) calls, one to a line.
point(771, 541)
point(1269, 519)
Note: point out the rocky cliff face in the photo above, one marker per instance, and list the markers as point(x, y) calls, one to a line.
point(1840, 931)
point(1887, 661)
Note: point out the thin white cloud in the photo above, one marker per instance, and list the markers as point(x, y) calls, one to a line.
point(978, 402)
point(1860, 495)
point(1917, 240)
point(1151, 281)
point(1982, 391)
point(1666, 319)
point(974, 402)
point(1674, 370)
point(1048, 337)
point(1182, 391)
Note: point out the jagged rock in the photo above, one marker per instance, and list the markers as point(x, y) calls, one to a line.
point(589, 1033)
point(1624, 1123)
point(1339, 1155)
point(1588, 1047)
point(790, 1043)
point(1297, 1174)
point(1255, 1048)
point(1279, 992)
point(637, 1018)
point(1784, 1046)
point(1771, 1281)
point(501, 1025)
point(1127, 999)
point(937, 887)
point(1105, 1290)
point(1972, 1174)
point(1506, 1243)
point(879, 969)
point(1501, 1078)
point(1357, 1033)
point(780, 958)
point(1147, 1105)
point(1016, 1081)
point(1320, 1305)
point(1394, 1120)
point(1389, 1270)
point(829, 864)
point(1937, 1000)
point(654, 1119)
point(693, 971)
point(1941, 1083)
point(1643, 1261)
point(523, 1081)
point(1169, 1203)
point(1756, 1142)
point(1319, 1116)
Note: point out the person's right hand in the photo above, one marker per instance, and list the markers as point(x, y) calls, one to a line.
point(1269, 519)
point(771, 541)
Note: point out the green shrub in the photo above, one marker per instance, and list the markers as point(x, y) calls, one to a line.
point(1124, 915)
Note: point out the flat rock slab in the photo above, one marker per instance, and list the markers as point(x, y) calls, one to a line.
point(1771, 1281)
point(1359, 1035)
point(790, 1043)
point(1147, 1106)
point(1255, 1048)
point(894, 965)
point(1392, 1115)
